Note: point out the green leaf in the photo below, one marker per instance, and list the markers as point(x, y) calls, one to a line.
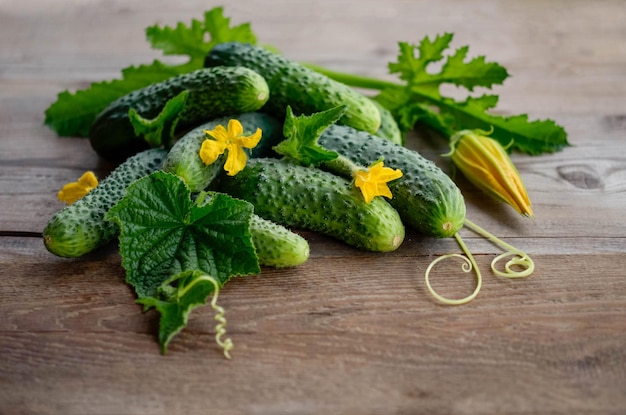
point(530, 137)
point(398, 100)
point(159, 130)
point(192, 40)
point(455, 70)
point(420, 99)
point(163, 232)
point(412, 69)
point(72, 114)
point(302, 133)
point(176, 298)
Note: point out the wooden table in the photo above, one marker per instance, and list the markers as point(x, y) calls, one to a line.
point(348, 332)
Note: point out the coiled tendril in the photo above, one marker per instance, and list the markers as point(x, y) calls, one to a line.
point(521, 259)
point(220, 328)
point(468, 265)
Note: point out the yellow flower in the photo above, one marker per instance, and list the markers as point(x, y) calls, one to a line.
point(231, 139)
point(71, 192)
point(373, 181)
point(486, 164)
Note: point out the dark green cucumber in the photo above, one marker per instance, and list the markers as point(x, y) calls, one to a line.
point(80, 227)
point(290, 83)
point(213, 92)
point(184, 159)
point(316, 200)
point(425, 196)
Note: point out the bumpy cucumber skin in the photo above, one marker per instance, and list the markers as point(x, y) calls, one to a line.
point(277, 246)
point(312, 199)
point(425, 196)
point(80, 228)
point(184, 159)
point(389, 128)
point(214, 92)
point(290, 83)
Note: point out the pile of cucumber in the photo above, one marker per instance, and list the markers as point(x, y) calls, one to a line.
point(255, 86)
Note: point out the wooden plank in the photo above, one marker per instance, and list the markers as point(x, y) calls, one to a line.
point(349, 331)
point(339, 334)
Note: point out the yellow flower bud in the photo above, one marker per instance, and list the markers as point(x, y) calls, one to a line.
point(486, 164)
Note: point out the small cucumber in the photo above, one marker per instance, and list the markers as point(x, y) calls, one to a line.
point(213, 92)
point(316, 200)
point(425, 196)
point(277, 246)
point(80, 227)
point(290, 83)
point(184, 160)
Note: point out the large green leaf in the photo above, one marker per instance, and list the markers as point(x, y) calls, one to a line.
point(73, 112)
point(163, 232)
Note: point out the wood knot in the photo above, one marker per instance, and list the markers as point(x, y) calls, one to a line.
point(616, 122)
point(582, 176)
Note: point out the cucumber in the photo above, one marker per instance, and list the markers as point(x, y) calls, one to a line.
point(277, 246)
point(184, 159)
point(80, 228)
point(213, 92)
point(389, 128)
point(290, 83)
point(316, 200)
point(425, 196)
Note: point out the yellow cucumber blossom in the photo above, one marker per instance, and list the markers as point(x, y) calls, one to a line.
point(373, 181)
point(231, 139)
point(73, 191)
point(486, 164)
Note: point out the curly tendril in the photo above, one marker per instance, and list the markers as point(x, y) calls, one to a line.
point(520, 259)
point(468, 265)
point(220, 328)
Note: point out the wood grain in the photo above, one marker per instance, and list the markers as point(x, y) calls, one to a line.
point(329, 336)
point(349, 332)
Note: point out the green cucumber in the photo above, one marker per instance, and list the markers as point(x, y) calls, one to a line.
point(316, 200)
point(290, 83)
point(389, 128)
point(80, 228)
point(213, 92)
point(425, 196)
point(276, 246)
point(184, 160)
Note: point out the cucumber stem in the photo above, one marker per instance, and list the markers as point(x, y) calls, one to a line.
point(343, 166)
point(358, 81)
